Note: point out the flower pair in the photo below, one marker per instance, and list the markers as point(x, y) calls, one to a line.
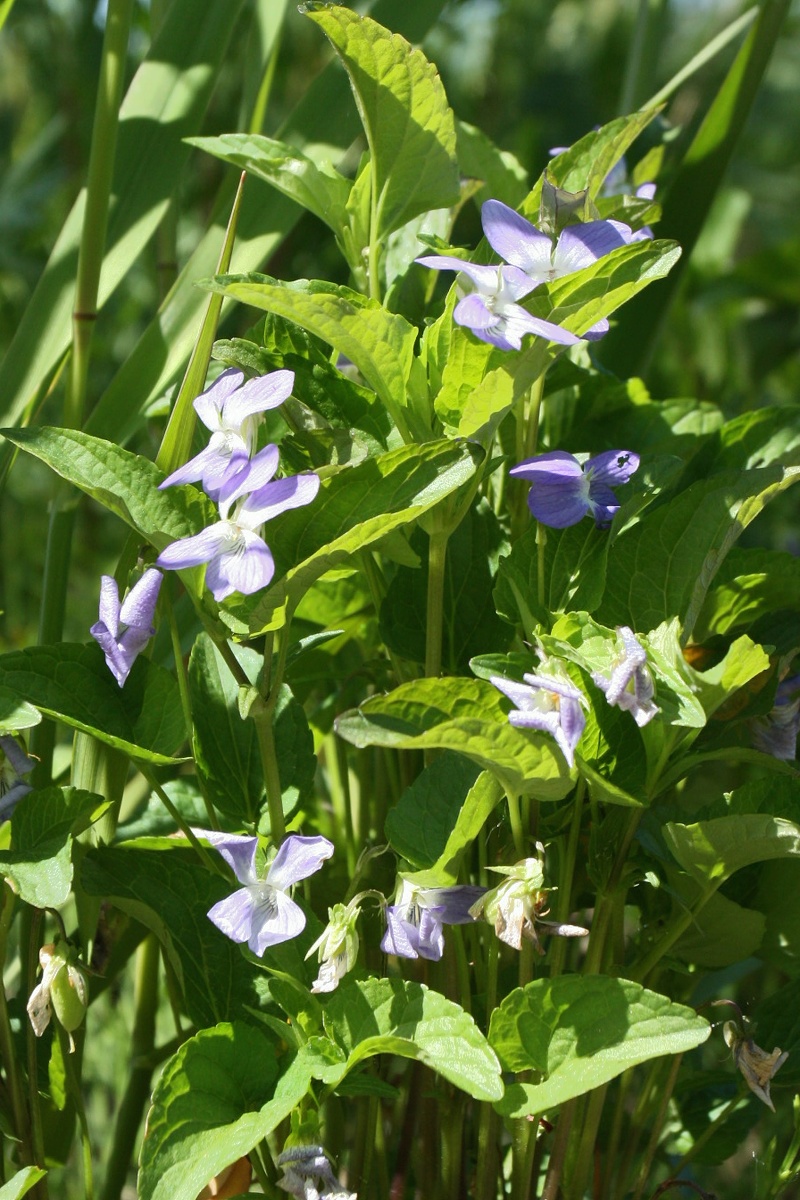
point(491, 310)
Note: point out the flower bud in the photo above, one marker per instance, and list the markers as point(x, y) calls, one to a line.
point(62, 990)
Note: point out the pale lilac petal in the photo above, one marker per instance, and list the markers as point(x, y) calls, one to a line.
point(554, 683)
point(646, 191)
point(249, 476)
point(556, 466)
point(209, 405)
point(518, 322)
point(484, 277)
point(473, 313)
point(298, 858)
point(11, 799)
point(645, 234)
point(276, 918)
point(196, 468)
point(430, 942)
point(279, 496)
point(258, 395)
point(518, 693)
point(581, 245)
point(119, 658)
point(573, 721)
point(223, 470)
point(401, 937)
point(238, 851)
point(109, 604)
point(199, 548)
point(235, 914)
point(515, 239)
point(246, 567)
point(139, 605)
point(540, 720)
point(612, 466)
point(597, 331)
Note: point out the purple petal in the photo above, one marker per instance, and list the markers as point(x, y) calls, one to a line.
point(558, 505)
point(197, 549)
point(249, 477)
point(518, 322)
point(646, 191)
point(486, 278)
point(276, 919)
point(238, 851)
point(298, 858)
point(280, 496)
point(515, 239)
point(258, 395)
point(209, 405)
point(430, 943)
point(19, 760)
point(553, 683)
point(573, 721)
point(537, 719)
point(453, 903)
point(556, 466)
point(119, 658)
point(473, 313)
point(109, 604)
point(597, 331)
point(139, 605)
point(196, 468)
point(234, 915)
point(518, 693)
point(612, 466)
point(401, 937)
point(581, 245)
point(11, 799)
point(603, 504)
point(245, 567)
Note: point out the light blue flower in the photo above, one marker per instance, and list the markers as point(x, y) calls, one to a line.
point(261, 912)
point(547, 703)
point(123, 630)
point(414, 923)
point(230, 409)
point(563, 491)
point(630, 685)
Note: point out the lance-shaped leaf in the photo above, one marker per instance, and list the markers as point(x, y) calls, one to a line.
point(124, 483)
point(318, 187)
point(380, 343)
point(580, 1031)
point(39, 863)
point(696, 530)
point(216, 1099)
point(167, 98)
point(466, 715)
point(389, 1016)
point(354, 509)
point(72, 683)
point(403, 108)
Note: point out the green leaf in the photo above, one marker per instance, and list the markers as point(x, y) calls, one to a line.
point(16, 714)
point(354, 509)
point(696, 529)
point(723, 932)
point(580, 1031)
point(225, 746)
point(466, 715)
point(743, 662)
point(216, 1099)
point(39, 864)
point(389, 1016)
point(124, 483)
point(21, 1183)
point(318, 187)
point(469, 621)
point(403, 108)
point(165, 887)
point(710, 851)
point(380, 343)
point(481, 801)
point(751, 584)
point(73, 684)
point(166, 99)
point(574, 571)
point(425, 815)
point(502, 174)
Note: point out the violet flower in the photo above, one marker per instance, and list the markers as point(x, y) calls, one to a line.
point(630, 686)
point(123, 630)
point(776, 733)
point(14, 763)
point(237, 557)
point(491, 311)
point(547, 703)
point(230, 409)
point(261, 912)
point(308, 1175)
point(414, 923)
point(564, 492)
point(516, 907)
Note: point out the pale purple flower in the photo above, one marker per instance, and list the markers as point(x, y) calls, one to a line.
point(564, 492)
point(230, 409)
point(261, 912)
point(123, 630)
point(516, 907)
point(414, 923)
point(630, 686)
point(776, 733)
point(491, 310)
point(14, 763)
point(548, 703)
point(237, 557)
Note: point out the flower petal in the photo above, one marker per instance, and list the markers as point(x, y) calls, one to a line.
point(235, 914)
point(453, 903)
point(247, 567)
point(139, 605)
point(486, 278)
point(19, 760)
point(238, 851)
point(210, 403)
point(613, 466)
point(473, 313)
point(257, 396)
point(558, 505)
point(580, 246)
point(298, 858)
point(279, 496)
point(553, 467)
point(276, 919)
point(603, 504)
point(515, 239)
point(196, 468)
point(197, 549)
point(118, 658)
point(401, 937)
point(430, 942)
point(249, 477)
point(518, 322)
point(109, 604)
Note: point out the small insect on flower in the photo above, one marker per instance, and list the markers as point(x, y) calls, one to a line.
point(563, 491)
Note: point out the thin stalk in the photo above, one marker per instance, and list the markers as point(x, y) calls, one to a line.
point(658, 1125)
point(486, 1172)
point(209, 860)
point(556, 1165)
point(524, 1133)
point(29, 939)
point(646, 36)
point(272, 779)
point(74, 1089)
point(582, 1169)
point(558, 950)
point(676, 927)
point(709, 1132)
point(9, 1058)
point(452, 1148)
point(137, 1092)
point(517, 828)
point(434, 626)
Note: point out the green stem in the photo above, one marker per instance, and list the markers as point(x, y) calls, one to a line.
point(137, 1092)
point(74, 1089)
point(272, 779)
point(708, 1133)
point(517, 827)
point(558, 1154)
point(9, 1058)
point(29, 941)
point(675, 929)
point(658, 1124)
point(437, 557)
point(486, 1172)
point(452, 1147)
point(582, 1171)
point(209, 860)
